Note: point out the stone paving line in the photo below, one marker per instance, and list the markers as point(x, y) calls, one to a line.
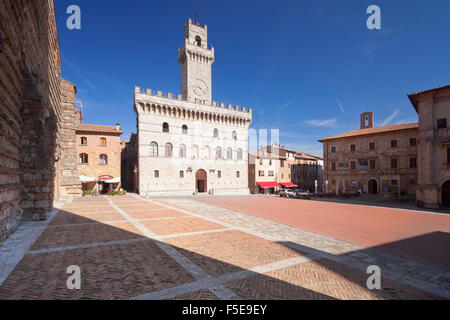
point(404, 271)
point(336, 250)
point(220, 291)
point(17, 245)
point(112, 221)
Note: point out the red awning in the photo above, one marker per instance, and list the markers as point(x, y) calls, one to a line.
point(269, 185)
point(288, 184)
point(104, 178)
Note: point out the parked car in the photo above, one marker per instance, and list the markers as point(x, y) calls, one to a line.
point(303, 195)
point(288, 193)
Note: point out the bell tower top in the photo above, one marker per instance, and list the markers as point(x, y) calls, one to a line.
point(196, 34)
point(366, 120)
point(195, 60)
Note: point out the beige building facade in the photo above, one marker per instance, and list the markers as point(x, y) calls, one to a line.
point(275, 167)
point(99, 156)
point(187, 143)
point(375, 160)
point(307, 172)
point(433, 109)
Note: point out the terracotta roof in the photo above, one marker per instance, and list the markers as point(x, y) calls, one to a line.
point(412, 96)
point(429, 90)
point(375, 130)
point(98, 128)
point(307, 156)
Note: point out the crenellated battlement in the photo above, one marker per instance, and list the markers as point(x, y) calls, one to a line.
point(179, 97)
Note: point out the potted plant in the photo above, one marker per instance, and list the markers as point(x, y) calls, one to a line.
point(88, 193)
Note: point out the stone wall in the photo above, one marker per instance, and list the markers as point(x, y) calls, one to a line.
point(434, 169)
point(129, 164)
point(68, 172)
point(30, 111)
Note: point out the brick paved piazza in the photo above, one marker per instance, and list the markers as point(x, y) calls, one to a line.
point(226, 248)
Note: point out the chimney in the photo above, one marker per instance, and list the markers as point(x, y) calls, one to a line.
point(366, 120)
point(117, 126)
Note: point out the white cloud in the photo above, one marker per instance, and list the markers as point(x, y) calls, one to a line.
point(340, 106)
point(329, 123)
point(283, 106)
point(390, 118)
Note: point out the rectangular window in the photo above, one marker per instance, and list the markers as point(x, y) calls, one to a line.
point(260, 161)
point(333, 149)
point(237, 174)
point(156, 173)
point(393, 143)
point(372, 164)
point(441, 123)
point(448, 155)
point(181, 174)
point(353, 165)
point(372, 146)
point(103, 141)
point(261, 173)
point(394, 163)
point(394, 182)
point(270, 174)
point(333, 166)
point(282, 163)
point(412, 141)
point(352, 147)
point(219, 174)
point(412, 162)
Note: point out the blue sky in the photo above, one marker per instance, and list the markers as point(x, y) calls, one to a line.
point(307, 68)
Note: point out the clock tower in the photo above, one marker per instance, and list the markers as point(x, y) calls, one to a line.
point(195, 60)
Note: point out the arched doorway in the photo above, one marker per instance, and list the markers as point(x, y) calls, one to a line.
point(373, 186)
point(200, 181)
point(446, 193)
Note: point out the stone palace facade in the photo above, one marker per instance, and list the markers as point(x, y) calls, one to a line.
point(188, 143)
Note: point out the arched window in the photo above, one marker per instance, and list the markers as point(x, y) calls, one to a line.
point(84, 158)
point(182, 151)
point(153, 149)
point(218, 153)
point(239, 154)
point(233, 135)
point(165, 127)
point(229, 154)
point(198, 41)
point(169, 150)
point(84, 141)
point(194, 152)
point(103, 159)
point(103, 141)
point(184, 129)
point(207, 152)
point(216, 133)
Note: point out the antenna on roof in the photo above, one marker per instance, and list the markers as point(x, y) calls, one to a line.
point(196, 17)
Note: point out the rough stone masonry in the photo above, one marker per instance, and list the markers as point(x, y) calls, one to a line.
point(35, 120)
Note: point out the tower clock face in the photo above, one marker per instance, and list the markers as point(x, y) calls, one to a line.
point(200, 88)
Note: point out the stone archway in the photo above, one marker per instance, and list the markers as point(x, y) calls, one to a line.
point(446, 193)
point(201, 181)
point(372, 186)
